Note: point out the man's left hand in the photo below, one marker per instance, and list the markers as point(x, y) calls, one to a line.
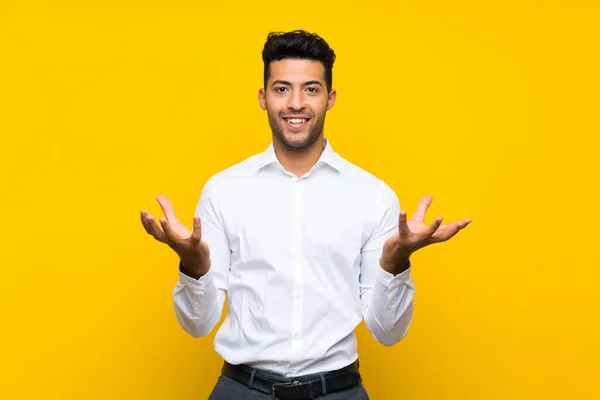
point(413, 235)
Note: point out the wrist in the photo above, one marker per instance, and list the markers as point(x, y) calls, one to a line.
point(194, 270)
point(395, 267)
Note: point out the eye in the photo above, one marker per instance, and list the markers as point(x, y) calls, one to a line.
point(313, 90)
point(280, 89)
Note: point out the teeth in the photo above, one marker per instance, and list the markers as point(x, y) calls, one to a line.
point(296, 120)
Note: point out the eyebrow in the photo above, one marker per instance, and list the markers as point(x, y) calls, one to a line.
point(279, 81)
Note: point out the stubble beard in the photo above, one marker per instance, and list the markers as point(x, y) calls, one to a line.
point(301, 141)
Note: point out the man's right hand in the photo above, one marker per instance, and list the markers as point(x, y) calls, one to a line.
point(193, 252)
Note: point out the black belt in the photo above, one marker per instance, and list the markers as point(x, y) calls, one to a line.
point(297, 388)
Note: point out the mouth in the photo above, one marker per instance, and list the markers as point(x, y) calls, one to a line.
point(296, 123)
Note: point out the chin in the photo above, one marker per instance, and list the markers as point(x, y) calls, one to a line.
point(293, 144)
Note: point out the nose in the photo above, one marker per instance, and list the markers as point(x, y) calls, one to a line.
point(296, 100)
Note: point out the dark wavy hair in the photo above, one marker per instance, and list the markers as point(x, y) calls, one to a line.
point(298, 44)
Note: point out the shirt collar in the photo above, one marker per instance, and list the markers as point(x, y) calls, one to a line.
point(328, 157)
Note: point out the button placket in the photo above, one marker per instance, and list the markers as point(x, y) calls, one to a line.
point(297, 271)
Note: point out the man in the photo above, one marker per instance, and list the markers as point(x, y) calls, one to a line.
point(304, 243)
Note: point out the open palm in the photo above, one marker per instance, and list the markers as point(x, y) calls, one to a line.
point(414, 234)
point(187, 244)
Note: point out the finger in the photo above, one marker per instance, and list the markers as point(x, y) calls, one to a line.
point(155, 229)
point(445, 232)
point(422, 208)
point(143, 215)
point(169, 231)
point(167, 208)
point(196, 230)
point(402, 225)
point(462, 224)
point(434, 226)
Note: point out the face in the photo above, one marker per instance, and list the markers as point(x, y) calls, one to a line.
point(296, 101)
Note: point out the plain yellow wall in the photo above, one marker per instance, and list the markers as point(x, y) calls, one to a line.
point(489, 106)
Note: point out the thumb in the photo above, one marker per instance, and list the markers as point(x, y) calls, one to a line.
point(402, 225)
point(196, 231)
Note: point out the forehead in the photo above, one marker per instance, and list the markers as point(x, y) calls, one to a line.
point(293, 70)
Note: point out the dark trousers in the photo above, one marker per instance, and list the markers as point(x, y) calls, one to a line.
point(228, 389)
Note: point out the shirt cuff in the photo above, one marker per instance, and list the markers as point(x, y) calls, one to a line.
point(199, 283)
point(388, 279)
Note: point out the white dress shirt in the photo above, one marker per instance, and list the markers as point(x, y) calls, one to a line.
point(299, 261)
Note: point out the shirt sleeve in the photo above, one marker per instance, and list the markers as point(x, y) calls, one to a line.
point(387, 300)
point(199, 302)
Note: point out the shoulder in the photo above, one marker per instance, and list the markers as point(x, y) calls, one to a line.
point(366, 182)
point(225, 178)
point(241, 169)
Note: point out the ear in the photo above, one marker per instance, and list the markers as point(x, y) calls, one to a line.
point(262, 99)
point(331, 99)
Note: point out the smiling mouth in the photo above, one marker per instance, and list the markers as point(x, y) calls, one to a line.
point(296, 123)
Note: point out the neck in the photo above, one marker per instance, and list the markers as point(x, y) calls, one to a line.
point(299, 162)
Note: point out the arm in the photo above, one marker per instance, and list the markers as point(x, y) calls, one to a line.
point(387, 292)
point(387, 299)
point(199, 302)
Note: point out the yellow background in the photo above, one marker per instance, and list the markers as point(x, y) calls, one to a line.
point(489, 106)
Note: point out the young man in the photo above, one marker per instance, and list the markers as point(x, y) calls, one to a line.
point(304, 243)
